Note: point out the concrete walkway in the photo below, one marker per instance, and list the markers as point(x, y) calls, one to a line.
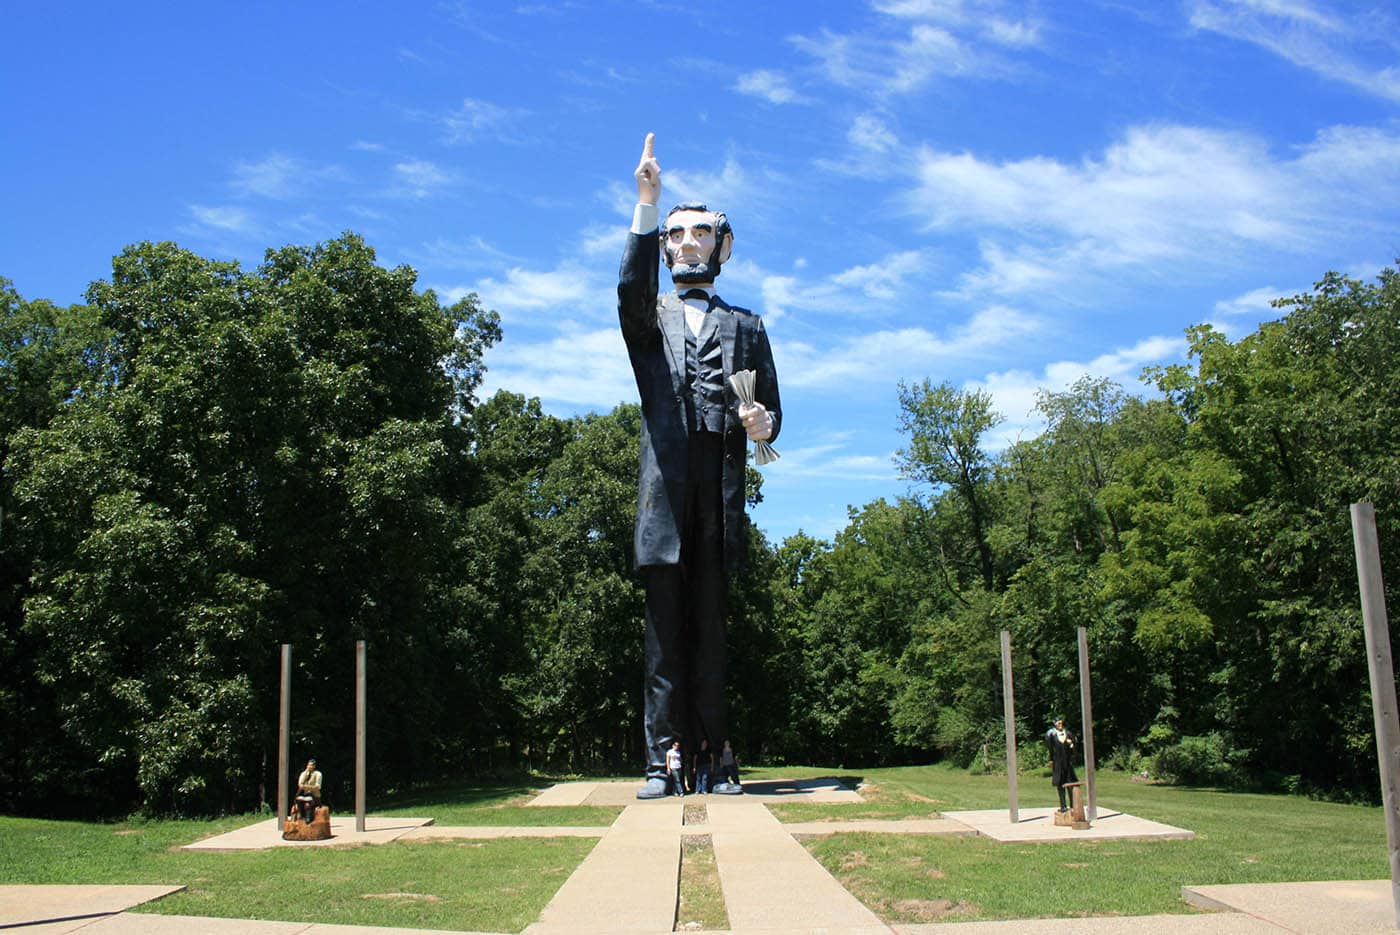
point(629, 882)
point(1338, 907)
point(769, 880)
point(56, 909)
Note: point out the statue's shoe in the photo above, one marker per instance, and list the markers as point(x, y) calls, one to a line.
point(652, 789)
point(727, 788)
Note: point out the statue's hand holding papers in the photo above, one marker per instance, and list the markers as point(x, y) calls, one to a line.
point(756, 419)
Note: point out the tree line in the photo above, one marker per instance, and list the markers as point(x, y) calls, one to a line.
point(201, 462)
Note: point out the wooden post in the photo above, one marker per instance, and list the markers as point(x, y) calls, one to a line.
point(284, 727)
point(360, 735)
point(1373, 616)
point(1008, 706)
point(1086, 706)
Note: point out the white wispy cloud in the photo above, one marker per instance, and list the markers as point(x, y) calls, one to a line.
point(771, 86)
point(931, 39)
point(1357, 47)
point(469, 253)
point(280, 176)
point(579, 366)
point(863, 290)
point(1252, 302)
point(871, 144)
point(477, 118)
point(886, 353)
point(833, 458)
point(465, 15)
point(419, 178)
point(729, 185)
point(869, 132)
point(885, 278)
point(1014, 391)
point(1013, 32)
point(1161, 194)
point(538, 298)
point(991, 19)
point(223, 217)
point(891, 66)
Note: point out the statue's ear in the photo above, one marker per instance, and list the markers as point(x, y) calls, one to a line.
point(725, 248)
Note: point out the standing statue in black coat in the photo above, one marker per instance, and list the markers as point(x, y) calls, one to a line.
point(1061, 744)
point(690, 498)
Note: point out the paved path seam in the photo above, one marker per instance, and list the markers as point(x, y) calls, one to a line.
point(770, 881)
point(628, 883)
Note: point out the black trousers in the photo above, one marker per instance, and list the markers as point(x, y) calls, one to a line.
point(683, 690)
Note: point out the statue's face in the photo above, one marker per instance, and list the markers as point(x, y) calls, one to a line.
point(692, 252)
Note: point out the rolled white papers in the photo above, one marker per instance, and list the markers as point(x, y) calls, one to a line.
point(742, 382)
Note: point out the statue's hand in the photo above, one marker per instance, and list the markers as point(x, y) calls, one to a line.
point(758, 421)
point(648, 174)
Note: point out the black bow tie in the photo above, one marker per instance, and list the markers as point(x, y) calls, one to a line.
point(700, 294)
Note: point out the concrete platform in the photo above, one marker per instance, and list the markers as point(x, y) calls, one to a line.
point(264, 834)
point(1339, 907)
point(489, 832)
point(55, 909)
point(1037, 824)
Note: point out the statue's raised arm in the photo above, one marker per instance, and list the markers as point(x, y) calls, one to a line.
point(648, 174)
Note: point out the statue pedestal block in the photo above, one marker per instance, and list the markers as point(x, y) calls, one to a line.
point(1074, 818)
point(318, 830)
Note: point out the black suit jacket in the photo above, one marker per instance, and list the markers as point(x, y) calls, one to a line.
point(654, 328)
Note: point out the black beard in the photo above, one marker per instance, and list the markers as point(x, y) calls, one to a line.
point(688, 273)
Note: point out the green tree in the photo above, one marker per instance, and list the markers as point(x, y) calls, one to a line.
point(947, 428)
point(49, 355)
point(274, 457)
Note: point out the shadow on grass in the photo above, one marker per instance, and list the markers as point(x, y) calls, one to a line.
point(483, 791)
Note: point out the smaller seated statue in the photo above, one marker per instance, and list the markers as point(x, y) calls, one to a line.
point(309, 791)
point(309, 819)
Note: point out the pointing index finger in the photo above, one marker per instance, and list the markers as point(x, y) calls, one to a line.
point(647, 146)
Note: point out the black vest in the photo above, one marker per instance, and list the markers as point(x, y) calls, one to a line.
point(704, 378)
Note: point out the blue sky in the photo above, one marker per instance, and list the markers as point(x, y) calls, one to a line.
point(1004, 195)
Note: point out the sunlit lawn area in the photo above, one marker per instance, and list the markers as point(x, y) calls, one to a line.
point(493, 886)
point(501, 886)
point(1240, 838)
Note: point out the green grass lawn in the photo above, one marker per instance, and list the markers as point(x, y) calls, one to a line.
point(501, 886)
point(1240, 838)
point(493, 886)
